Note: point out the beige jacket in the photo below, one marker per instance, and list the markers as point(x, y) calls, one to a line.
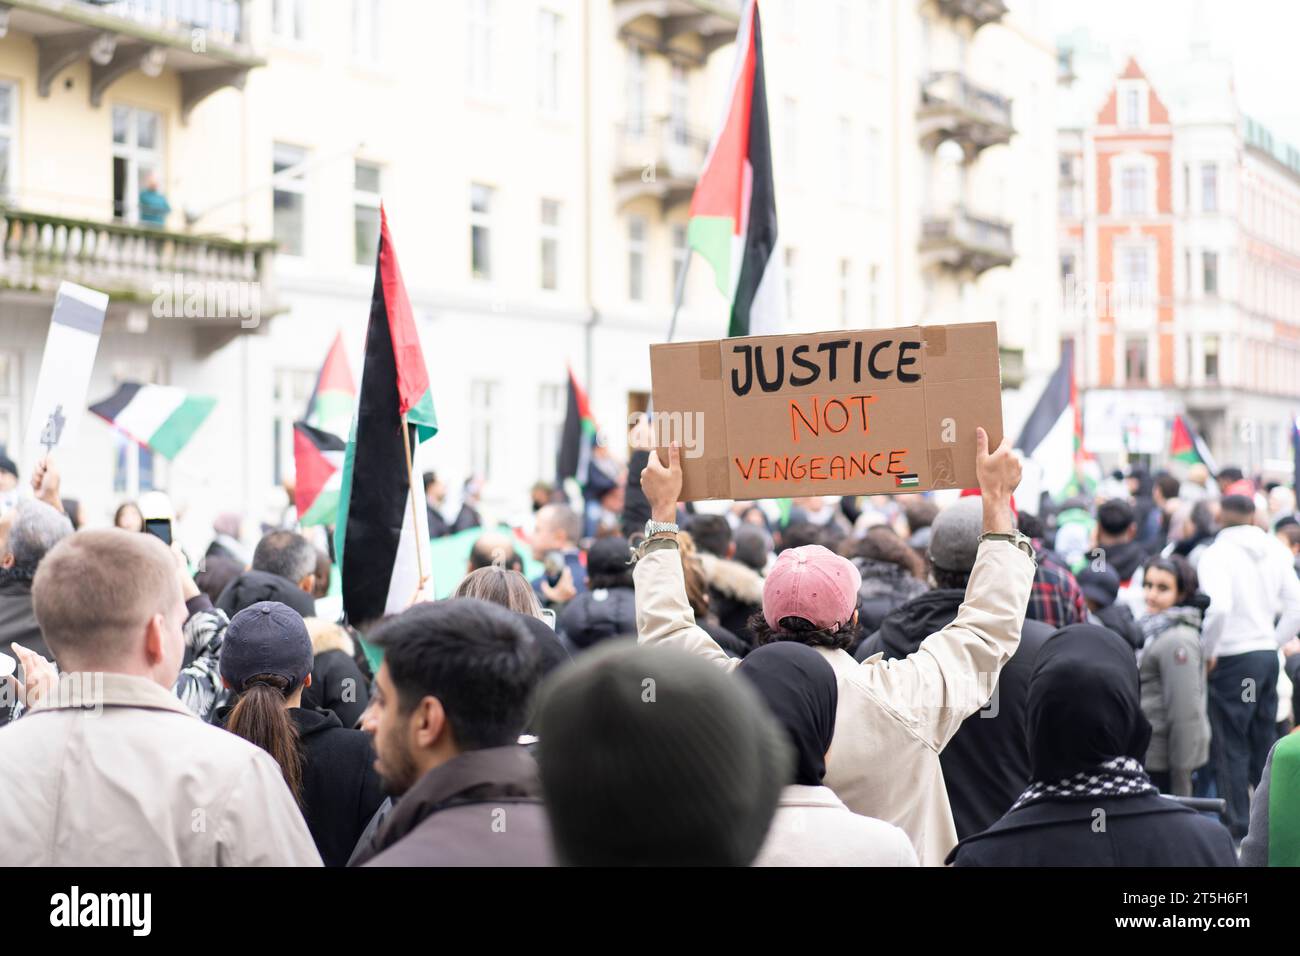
point(894, 716)
point(813, 827)
point(119, 773)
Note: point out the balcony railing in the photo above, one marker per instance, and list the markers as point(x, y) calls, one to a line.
point(965, 242)
point(38, 251)
point(659, 157)
point(712, 21)
point(221, 20)
point(952, 107)
point(979, 12)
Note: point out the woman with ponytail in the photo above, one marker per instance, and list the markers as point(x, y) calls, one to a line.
point(266, 663)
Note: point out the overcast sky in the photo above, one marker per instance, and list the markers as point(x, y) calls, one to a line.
point(1261, 38)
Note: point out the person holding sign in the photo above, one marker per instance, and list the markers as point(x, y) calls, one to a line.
point(894, 717)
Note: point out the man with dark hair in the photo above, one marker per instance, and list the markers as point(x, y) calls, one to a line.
point(1116, 531)
point(986, 764)
point(1229, 476)
point(799, 534)
point(451, 699)
point(1249, 577)
point(435, 501)
point(284, 570)
point(735, 589)
point(893, 718)
point(495, 548)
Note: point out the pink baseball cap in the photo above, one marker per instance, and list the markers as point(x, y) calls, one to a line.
point(812, 583)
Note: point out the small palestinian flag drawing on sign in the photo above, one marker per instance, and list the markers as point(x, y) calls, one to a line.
point(907, 481)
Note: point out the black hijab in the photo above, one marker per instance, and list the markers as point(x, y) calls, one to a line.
point(1083, 706)
point(799, 687)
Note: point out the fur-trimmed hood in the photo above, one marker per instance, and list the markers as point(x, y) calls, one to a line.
point(733, 579)
point(326, 636)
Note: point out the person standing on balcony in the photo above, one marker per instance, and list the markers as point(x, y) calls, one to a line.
point(154, 206)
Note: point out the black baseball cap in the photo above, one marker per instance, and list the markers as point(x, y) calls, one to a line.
point(1099, 586)
point(266, 638)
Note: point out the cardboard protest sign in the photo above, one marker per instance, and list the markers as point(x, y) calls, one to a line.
point(854, 412)
point(70, 347)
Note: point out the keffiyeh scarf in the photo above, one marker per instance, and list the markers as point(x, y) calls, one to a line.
point(1118, 777)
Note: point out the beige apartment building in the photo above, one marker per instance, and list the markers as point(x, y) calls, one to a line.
point(536, 161)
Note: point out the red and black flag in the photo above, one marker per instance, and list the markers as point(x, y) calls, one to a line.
point(384, 540)
point(578, 438)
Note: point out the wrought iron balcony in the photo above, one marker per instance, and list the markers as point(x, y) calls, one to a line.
point(952, 107)
point(979, 12)
point(965, 243)
point(714, 22)
point(661, 158)
point(131, 263)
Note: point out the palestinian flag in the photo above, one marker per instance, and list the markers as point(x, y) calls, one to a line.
point(330, 405)
point(573, 460)
point(383, 547)
point(1052, 437)
point(733, 212)
point(1185, 445)
point(160, 417)
point(317, 460)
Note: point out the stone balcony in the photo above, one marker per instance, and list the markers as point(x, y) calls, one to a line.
point(713, 22)
point(965, 243)
point(980, 13)
point(952, 107)
point(659, 158)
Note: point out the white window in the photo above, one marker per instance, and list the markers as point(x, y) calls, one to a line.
point(550, 46)
point(679, 255)
point(875, 166)
point(365, 204)
point(845, 148)
point(291, 393)
point(1211, 350)
point(1209, 187)
point(790, 135)
point(846, 293)
point(679, 104)
point(137, 162)
point(636, 255)
point(8, 136)
point(480, 230)
point(289, 198)
point(288, 19)
point(479, 48)
point(1132, 107)
point(791, 281)
point(483, 412)
point(551, 401)
point(1210, 272)
point(1135, 360)
point(550, 239)
point(1133, 190)
point(9, 401)
point(634, 94)
point(1134, 268)
point(366, 30)
point(873, 297)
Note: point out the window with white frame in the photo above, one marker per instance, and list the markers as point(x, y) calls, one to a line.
point(366, 30)
point(484, 399)
point(289, 199)
point(1210, 272)
point(1134, 269)
point(634, 90)
point(550, 244)
point(551, 402)
point(365, 216)
point(1133, 190)
point(873, 297)
point(289, 19)
point(875, 166)
point(137, 158)
point(679, 103)
point(480, 230)
point(1135, 360)
point(1210, 350)
point(845, 147)
point(1131, 106)
point(550, 50)
point(8, 135)
point(679, 255)
point(478, 51)
point(1209, 187)
point(291, 390)
point(636, 256)
point(9, 401)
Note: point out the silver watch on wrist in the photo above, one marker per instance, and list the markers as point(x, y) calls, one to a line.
point(1018, 538)
point(660, 527)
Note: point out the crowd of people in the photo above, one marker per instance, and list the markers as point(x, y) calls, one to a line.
point(888, 681)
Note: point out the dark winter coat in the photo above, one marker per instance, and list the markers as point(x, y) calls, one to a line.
point(884, 587)
point(337, 681)
point(1119, 618)
point(735, 593)
point(986, 765)
point(597, 615)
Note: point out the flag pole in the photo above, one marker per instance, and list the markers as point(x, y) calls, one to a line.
point(415, 521)
point(681, 291)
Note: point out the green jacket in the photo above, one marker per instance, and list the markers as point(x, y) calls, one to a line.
point(1172, 671)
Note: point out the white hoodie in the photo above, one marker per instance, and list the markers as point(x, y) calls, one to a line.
point(1251, 581)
